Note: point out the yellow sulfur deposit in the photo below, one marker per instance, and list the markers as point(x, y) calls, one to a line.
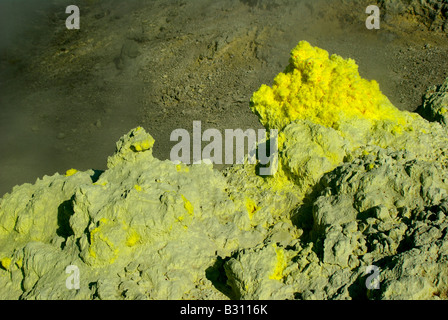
point(325, 112)
point(70, 172)
point(188, 206)
point(251, 207)
point(360, 183)
point(280, 265)
point(5, 263)
point(132, 239)
point(322, 89)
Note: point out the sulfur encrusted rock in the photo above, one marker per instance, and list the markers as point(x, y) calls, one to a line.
point(435, 104)
point(171, 221)
point(360, 184)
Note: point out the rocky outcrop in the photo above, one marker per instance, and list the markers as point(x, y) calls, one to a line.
point(361, 186)
point(432, 13)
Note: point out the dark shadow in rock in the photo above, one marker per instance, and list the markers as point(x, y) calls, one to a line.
point(358, 289)
point(364, 215)
point(96, 175)
point(302, 216)
point(217, 275)
point(65, 211)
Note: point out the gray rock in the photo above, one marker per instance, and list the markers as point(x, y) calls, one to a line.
point(435, 104)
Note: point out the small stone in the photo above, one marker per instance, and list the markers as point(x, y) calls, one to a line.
point(131, 267)
point(130, 49)
point(381, 212)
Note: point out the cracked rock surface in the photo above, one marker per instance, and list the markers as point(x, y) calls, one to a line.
point(359, 184)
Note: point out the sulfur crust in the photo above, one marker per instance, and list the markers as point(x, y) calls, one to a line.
point(70, 172)
point(5, 262)
point(325, 111)
point(324, 90)
point(280, 264)
point(359, 183)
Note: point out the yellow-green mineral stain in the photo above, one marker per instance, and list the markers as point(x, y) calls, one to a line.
point(70, 172)
point(97, 236)
point(280, 265)
point(133, 238)
point(251, 207)
point(188, 206)
point(5, 263)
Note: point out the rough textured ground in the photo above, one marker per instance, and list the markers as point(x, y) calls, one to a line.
point(67, 96)
point(359, 184)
